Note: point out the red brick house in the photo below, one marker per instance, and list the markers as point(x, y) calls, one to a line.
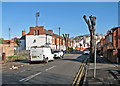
point(100, 47)
point(111, 45)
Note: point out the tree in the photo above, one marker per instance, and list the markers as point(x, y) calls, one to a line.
point(80, 46)
point(17, 42)
point(1, 40)
point(92, 35)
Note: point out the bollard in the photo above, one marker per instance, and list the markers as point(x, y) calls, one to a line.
point(3, 57)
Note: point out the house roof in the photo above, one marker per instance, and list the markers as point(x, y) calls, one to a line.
point(114, 28)
point(48, 33)
point(23, 37)
point(57, 36)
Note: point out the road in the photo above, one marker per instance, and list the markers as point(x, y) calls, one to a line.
point(59, 71)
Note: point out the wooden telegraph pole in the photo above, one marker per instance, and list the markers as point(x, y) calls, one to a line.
point(92, 35)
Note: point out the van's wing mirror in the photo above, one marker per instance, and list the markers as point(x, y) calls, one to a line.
point(52, 51)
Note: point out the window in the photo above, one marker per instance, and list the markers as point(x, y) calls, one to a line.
point(48, 40)
point(110, 38)
point(34, 41)
point(38, 32)
point(34, 32)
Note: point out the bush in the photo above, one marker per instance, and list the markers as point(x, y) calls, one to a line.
point(13, 58)
point(70, 49)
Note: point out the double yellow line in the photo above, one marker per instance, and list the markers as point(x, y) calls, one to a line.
point(79, 75)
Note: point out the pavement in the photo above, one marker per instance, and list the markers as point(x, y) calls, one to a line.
point(57, 72)
point(107, 74)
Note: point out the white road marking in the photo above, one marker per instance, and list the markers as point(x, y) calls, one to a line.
point(16, 73)
point(30, 77)
point(22, 71)
point(49, 68)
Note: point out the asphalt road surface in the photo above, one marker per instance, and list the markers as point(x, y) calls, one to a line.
point(59, 71)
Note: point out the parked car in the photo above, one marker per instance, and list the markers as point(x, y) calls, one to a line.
point(58, 54)
point(41, 53)
point(86, 52)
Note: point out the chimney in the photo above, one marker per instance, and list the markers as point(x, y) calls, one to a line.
point(107, 32)
point(42, 28)
point(23, 32)
point(50, 31)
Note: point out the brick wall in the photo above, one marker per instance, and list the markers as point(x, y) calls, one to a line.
point(109, 55)
point(50, 31)
point(114, 39)
point(23, 32)
point(8, 50)
point(111, 50)
point(119, 38)
point(114, 58)
point(57, 41)
point(53, 40)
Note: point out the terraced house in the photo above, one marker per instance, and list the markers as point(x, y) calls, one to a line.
point(111, 45)
point(39, 36)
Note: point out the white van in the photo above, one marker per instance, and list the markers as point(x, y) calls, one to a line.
point(41, 53)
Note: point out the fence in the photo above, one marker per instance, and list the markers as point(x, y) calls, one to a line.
point(22, 54)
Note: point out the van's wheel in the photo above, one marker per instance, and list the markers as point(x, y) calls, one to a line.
point(46, 60)
point(31, 62)
point(62, 57)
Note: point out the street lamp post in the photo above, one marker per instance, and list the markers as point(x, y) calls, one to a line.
point(95, 61)
point(59, 38)
point(37, 15)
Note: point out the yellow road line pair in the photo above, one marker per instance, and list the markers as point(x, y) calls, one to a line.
point(79, 75)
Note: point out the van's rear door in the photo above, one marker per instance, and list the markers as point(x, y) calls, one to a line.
point(36, 54)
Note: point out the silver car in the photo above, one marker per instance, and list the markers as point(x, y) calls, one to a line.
point(86, 52)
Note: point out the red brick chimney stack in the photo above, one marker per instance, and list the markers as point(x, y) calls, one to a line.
point(23, 32)
point(50, 31)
